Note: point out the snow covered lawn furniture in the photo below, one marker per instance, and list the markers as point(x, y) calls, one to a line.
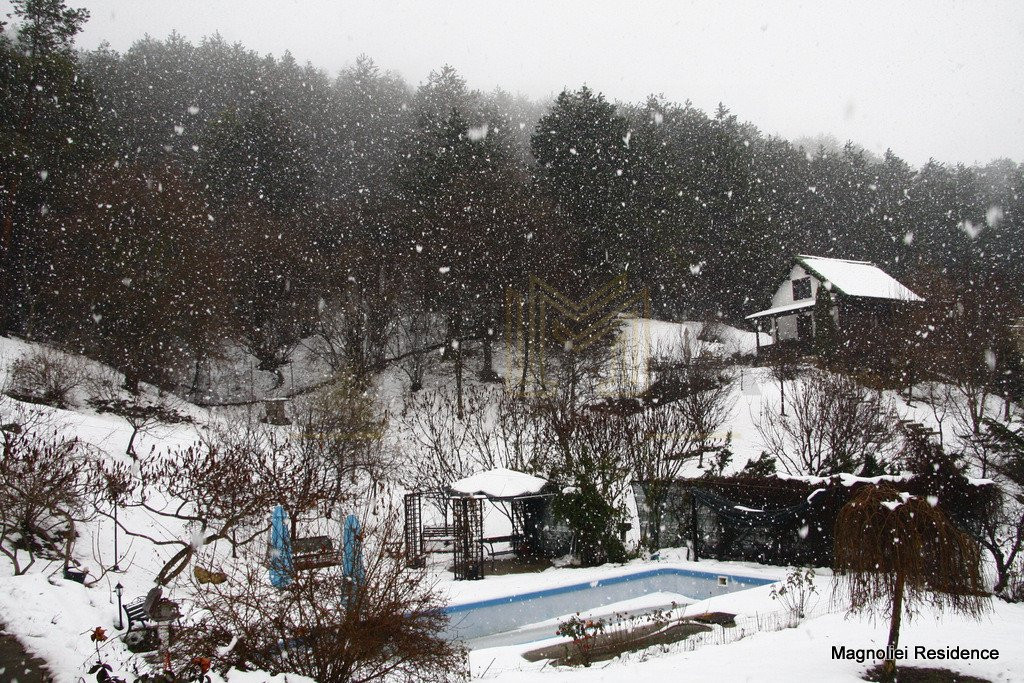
point(75, 575)
point(141, 634)
point(314, 552)
point(441, 538)
point(136, 613)
point(489, 542)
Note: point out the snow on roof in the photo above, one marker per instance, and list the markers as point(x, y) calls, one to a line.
point(499, 483)
point(857, 278)
point(785, 308)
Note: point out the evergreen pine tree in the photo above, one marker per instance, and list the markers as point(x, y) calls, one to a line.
point(826, 335)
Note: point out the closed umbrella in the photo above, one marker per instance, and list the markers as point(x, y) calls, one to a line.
point(352, 559)
point(280, 550)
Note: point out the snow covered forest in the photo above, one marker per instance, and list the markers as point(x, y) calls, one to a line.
point(248, 305)
point(161, 203)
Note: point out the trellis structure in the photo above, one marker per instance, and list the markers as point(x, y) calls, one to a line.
point(468, 525)
point(414, 555)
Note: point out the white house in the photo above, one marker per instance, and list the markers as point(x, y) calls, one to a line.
point(863, 295)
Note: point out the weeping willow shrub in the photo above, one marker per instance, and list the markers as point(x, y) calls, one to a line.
point(895, 553)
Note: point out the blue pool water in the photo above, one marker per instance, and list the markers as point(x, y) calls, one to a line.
point(478, 619)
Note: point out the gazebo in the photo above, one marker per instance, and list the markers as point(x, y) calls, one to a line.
point(509, 491)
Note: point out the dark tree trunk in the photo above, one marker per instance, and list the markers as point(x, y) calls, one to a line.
point(131, 382)
point(487, 373)
point(457, 340)
point(889, 668)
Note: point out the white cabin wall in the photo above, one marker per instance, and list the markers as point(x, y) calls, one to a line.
point(784, 295)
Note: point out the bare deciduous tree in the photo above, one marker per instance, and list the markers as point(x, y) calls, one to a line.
point(1003, 532)
point(353, 327)
point(140, 415)
point(340, 425)
point(436, 442)
point(209, 487)
point(414, 341)
point(832, 426)
point(223, 487)
point(506, 430)
point(664, 441)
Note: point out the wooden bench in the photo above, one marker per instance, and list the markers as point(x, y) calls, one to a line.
point(443, 535)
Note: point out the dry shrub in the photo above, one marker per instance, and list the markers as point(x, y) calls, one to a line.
point(829, 424)
point(44, 375)
point(323, 625)
point(44, 491)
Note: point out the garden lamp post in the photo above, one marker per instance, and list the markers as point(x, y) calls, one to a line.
point(115, 568)
point(119, 589)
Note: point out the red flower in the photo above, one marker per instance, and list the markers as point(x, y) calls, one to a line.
point(98, 635)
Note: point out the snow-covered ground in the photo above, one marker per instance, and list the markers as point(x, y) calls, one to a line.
point(52, 617)
point(803, 653)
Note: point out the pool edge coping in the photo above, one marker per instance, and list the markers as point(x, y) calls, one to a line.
point(641, 574)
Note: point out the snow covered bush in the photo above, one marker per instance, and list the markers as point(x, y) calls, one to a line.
point(797, 593)
point(591, 460)
point(44, 375)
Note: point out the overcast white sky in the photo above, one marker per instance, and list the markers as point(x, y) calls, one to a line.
point(930, 79)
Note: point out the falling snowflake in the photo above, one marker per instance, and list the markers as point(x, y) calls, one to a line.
point(993, 216)
point(970, 229)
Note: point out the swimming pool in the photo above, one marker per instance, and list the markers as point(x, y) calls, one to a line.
point(471, 620)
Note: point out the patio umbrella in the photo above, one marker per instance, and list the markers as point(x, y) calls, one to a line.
point(280, 549)
point(352, 559)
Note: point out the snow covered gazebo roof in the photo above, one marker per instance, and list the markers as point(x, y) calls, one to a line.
point(499, 483)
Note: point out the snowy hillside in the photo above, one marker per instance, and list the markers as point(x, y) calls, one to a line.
point(52, 617)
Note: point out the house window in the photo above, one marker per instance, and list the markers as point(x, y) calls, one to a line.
point(802, 289)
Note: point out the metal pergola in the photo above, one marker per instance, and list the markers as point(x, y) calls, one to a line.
point(463, 535)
